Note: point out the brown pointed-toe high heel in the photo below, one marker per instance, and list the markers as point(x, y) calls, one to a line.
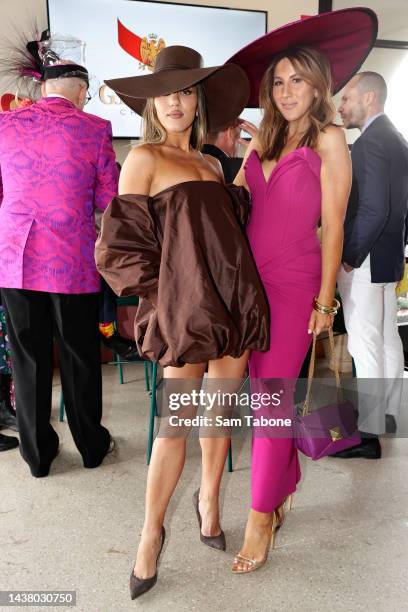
point(218, 542)
point(138, 586)
point(245, 565)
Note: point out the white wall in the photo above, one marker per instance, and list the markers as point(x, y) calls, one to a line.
point(20, 18)
point(279, 11)
point(392, 16)
point(21, 12)
point(392, 64)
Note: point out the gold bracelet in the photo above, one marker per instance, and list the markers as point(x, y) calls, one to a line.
point(330, 310)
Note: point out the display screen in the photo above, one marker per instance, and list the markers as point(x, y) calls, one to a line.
point(122, 38)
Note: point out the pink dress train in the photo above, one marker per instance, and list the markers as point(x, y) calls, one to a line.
point(282, 231)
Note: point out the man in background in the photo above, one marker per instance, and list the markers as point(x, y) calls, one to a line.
point(57, 164)
point(224, 146)
point(373, 256)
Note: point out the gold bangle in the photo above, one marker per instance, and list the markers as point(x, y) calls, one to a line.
point(331, 310)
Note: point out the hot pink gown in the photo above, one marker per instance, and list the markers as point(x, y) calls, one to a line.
point(282, 231)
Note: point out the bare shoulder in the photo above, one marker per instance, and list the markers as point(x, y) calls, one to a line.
point(141, 154)
point(331, 140)
point(336, 160)
point(138, 170)
point(215, 165)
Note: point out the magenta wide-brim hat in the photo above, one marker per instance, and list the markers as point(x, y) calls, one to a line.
point(346, 37)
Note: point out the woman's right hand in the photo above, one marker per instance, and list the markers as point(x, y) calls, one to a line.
point(319, 322)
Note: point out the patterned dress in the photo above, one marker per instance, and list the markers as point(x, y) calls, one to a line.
point(5, 363)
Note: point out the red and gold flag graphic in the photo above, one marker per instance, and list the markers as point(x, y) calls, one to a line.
point(129, 41)
point(144, 49)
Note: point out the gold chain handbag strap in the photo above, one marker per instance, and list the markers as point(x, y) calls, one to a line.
point(306, 405)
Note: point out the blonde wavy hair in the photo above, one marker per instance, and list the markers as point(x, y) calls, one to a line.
point(313, 66)
point(155, 133)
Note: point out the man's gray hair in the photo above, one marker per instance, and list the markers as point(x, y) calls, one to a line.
point(64, 84)
point(372, 81)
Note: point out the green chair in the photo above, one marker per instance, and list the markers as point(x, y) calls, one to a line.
point(151, 386)
point(153, 410)
point(61, 408)
point(131, 300)
point(119, 364)
point(229, 459)
point(152, 378)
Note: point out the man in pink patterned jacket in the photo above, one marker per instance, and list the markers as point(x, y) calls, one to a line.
point(57, 165)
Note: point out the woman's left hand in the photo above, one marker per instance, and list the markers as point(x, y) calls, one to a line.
point(319, 322)
point(249, 128)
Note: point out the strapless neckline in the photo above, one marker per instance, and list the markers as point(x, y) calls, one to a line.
point(173, 187)
point(190, 236)
point(281, 161)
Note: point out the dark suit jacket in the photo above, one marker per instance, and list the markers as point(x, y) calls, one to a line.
point(230, 165)
point(376, 215)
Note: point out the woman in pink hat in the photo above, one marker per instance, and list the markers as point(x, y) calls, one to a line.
point(298, 171)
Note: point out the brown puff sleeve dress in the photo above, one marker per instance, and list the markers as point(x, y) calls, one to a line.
point(184, 252)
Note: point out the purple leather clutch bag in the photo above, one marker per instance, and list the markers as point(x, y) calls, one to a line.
point(328, 430)
point(331, 428)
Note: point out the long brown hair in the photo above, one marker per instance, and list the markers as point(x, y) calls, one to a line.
point(313, 66)
point(155, 133)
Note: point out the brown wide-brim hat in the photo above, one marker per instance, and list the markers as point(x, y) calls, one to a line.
point(346, 37)
point(226, 87)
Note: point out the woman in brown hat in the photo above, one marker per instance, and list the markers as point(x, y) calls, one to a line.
point(175, 237)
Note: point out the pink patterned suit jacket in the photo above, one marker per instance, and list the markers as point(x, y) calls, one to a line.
point(57, 164)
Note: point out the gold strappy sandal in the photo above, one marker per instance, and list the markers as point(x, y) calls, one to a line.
point(281, 510)
point(245, 565)
point(289, 501)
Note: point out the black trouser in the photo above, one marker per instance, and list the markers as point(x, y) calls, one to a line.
point(33, 318)
point(107, 309)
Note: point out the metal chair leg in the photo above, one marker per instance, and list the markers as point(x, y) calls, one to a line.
point(229, 458)
point(118, 363)
point(153, 374)
point(117, 359)
point(153, 412)
point(146, 365)
point(61, 408)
